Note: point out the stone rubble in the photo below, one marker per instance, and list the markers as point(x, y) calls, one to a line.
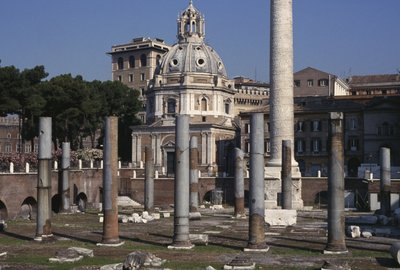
point(72, 254)
point(137, 260)
point(354, 231)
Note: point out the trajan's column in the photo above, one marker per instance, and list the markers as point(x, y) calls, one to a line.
point(281, 95)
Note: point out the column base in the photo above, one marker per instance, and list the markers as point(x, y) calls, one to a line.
point(257, 250)
point(180, 247)
point(44, 237)
point(118, 244)
point(335, 252)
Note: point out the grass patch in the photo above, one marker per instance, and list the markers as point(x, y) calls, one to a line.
point(10, 241)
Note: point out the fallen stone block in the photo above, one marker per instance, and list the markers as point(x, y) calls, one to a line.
point(366, 234)
point(241, 262)
point(83, 251)
point(66, 256)
point(280, 217)
point(199, 238)
point(353, 231)
point(122, 219)
point(3, 254)
point(165, 214)
point(156, 215)
point(137, 259)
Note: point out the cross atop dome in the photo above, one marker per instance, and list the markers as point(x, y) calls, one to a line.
point(191, 24)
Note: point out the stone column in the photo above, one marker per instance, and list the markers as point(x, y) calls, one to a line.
point(194, 179)
point(43, 221)
point(385, 181)
point(239, 184)
point(286, 174)
point(181, 193)
point(203, 148)
point(256, 185)
point(134, 152)
point(149, 180)
point(65, 164)
point(336, 231)
point(110, 182)
point(281, 115)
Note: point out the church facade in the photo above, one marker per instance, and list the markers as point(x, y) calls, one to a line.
point(190, 79)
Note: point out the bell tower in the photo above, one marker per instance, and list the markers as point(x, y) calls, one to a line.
point(191, 25)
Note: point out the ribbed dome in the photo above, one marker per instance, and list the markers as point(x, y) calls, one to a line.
point(192, 57)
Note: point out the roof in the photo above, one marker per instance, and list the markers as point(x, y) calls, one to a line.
point(384, 78)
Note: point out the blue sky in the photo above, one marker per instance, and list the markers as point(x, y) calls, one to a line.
point(343, 37)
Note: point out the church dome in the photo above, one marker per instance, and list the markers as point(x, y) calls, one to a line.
point(185, 57)
point(191, 54)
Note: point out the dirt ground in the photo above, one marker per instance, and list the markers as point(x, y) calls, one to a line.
point(295, 247)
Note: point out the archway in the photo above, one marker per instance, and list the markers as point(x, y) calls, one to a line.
point(81, 201)
point(56, 203)
point(28, 208)
point(3, 211)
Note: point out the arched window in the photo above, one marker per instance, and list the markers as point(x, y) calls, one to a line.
point(194, 27)
point(131, 61)
point(171, 105)
point(120, 63)
point(204, 104)
point(143, 60)
point(227, 106)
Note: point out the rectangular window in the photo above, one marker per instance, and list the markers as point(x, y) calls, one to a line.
point(323, 82)
point(130, 77)
point(300, 126)
point(296, 83)
point(17, 148)
point(119, 78)
point(8, 148)
point(316, 125)
point(142, 76)
point(353, 123)
point(316, 145)
point(300, 146)
point(353, 143)
point(310, 83)
point(35, 148)
point(28, 148)
point(246, 128)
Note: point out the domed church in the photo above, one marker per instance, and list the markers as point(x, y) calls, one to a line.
point(190, 79)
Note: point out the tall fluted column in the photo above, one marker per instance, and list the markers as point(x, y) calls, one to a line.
point(281, 115)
